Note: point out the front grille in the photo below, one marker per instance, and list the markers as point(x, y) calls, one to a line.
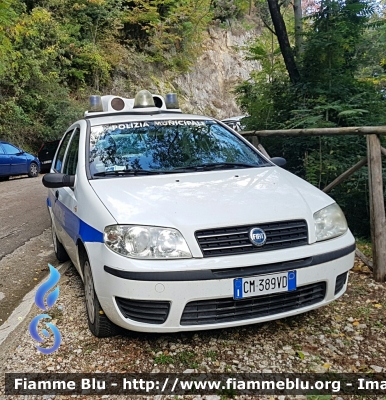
point(235, 240)
point(149, 312)
point(340, 281)
point(217, 311)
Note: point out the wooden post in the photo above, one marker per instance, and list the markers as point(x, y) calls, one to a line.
point(256, 143)
point(377, 207)
point(364, 259)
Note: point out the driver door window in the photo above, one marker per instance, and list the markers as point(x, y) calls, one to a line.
point(71, 162)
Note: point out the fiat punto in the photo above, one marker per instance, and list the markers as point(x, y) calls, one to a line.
point(175, 222)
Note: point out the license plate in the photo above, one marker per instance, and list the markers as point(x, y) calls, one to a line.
point(47, 162)
point(264, 284)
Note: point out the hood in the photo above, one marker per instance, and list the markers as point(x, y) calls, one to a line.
point(203, 200)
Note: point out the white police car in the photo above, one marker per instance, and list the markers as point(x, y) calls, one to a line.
point(176, 223)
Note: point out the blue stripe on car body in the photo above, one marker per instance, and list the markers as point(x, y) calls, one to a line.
point(72, 224)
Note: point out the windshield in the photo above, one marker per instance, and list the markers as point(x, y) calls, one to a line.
point(167, 146)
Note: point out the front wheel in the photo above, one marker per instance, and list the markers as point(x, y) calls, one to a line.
point(99, 324)
point(33, 170)
point(4, 178)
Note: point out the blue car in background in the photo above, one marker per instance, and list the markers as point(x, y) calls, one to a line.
point(15, 161)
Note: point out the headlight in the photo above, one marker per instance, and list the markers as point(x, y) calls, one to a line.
point(329, 222)
point(146, 242)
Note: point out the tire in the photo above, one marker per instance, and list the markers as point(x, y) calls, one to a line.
point(60, 251)
point(98, 323)
point(33, 170)
point(4, 178)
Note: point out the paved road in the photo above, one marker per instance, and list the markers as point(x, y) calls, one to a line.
point(23, 212)
point(25, 242)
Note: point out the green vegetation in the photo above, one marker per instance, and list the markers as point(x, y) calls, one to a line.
point(364, 245)
point(188, 359)
point(342, 83)
point(169, 32)
point(320, 397)
point(164, 359)
point(213, 355)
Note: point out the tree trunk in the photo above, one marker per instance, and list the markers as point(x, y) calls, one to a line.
point(282, 37)
point(298, 27)
point(377, 207)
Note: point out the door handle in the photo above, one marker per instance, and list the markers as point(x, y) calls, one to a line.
point(57, 194)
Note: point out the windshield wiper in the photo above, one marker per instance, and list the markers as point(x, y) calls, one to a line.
point(132, 172)
point(212, 166)
point(199, 167)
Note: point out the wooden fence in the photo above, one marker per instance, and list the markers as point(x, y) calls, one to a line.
point(376, 196)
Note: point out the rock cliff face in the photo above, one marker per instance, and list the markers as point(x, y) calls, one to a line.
point(207, 88)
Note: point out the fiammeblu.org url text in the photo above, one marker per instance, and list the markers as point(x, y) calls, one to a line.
point(176, 384)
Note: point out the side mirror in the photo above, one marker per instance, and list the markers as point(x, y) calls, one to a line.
point(279, 161)
point(54, 181)
point(20, 153)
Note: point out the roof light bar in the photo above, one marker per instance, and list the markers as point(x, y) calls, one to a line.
point(95, 103)
point(171, 101)
point(143, 99)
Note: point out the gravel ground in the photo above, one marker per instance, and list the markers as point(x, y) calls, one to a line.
point(348, 335)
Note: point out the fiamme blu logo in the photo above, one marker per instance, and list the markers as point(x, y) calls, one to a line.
point(51, 299)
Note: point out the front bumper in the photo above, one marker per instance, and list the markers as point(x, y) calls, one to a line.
point(179, 282)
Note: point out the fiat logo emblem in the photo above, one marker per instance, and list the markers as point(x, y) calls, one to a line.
point(257, 237)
